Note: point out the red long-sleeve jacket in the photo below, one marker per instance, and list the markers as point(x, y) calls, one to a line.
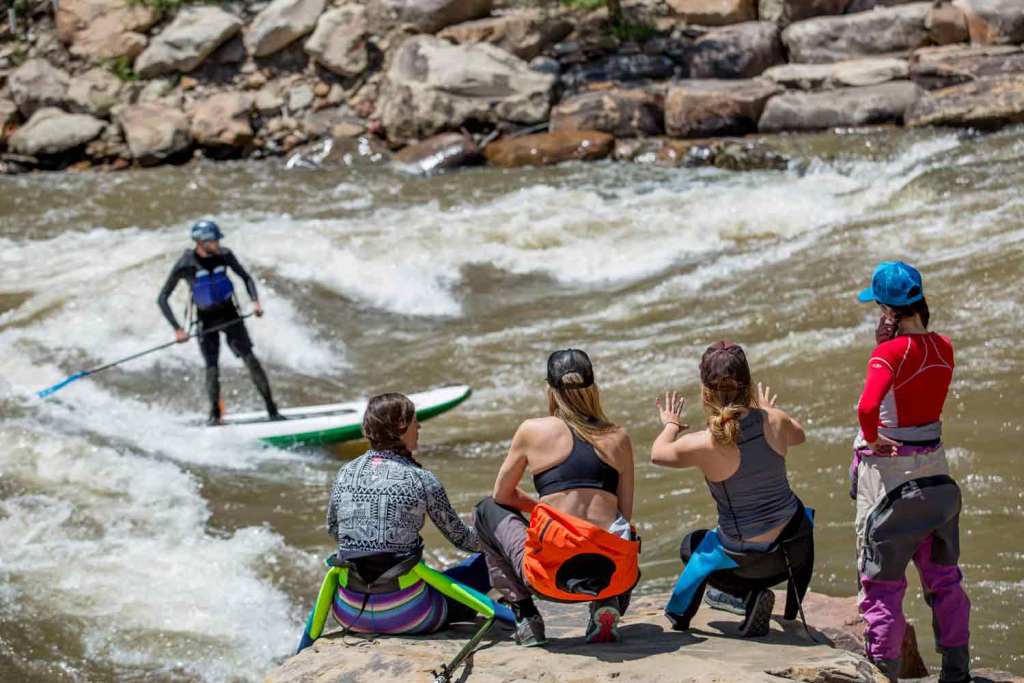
point(906, 384)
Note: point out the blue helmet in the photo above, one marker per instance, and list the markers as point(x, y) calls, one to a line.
point(206, 231)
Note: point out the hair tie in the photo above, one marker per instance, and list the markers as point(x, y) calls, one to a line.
point(727, 419)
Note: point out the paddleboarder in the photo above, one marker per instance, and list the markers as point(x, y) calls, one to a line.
point(205, 268)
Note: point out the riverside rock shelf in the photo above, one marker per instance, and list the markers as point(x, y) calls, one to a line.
point(650, 651)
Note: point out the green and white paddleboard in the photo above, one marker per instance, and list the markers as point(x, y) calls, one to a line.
point(334, 423)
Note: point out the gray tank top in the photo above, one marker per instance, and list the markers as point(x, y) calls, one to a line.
point(757, 498)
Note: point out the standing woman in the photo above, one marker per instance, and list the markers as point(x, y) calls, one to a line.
point(908, 507)
point(764, 535)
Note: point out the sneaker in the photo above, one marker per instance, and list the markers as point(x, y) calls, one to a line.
point(716, 599)
point(604, 626)
point(276, 417)
point(758, 616)
point(530, 631)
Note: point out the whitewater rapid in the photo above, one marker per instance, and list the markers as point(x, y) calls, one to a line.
point(143, 544)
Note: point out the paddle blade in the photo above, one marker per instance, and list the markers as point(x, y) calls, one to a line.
point(49, 391)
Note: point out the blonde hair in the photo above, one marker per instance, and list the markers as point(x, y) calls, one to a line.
point(723, 407)
point(581, 410)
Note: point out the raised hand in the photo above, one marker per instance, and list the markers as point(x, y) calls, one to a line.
point(765, 397)
point(671, 410)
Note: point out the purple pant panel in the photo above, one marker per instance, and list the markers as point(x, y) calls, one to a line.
point(951, 609)
point(881, 605)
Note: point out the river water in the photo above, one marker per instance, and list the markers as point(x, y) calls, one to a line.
point(133, 545)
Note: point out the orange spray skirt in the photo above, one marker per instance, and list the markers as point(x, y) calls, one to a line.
point(568, 559)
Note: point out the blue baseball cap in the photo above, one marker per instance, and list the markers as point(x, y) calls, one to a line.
point(894, 283)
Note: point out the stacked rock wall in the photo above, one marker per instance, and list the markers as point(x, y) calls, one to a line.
point(119, 82)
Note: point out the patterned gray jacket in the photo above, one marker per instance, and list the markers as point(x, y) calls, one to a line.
point(379, 502)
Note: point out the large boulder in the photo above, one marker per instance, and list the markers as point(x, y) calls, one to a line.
point(839, 620)
point(543, 149)
point(984, 103)
point(860, 72)
point(800, 76)
point(621, 112)
point(994, 22)
point(52, 131)
point(887, 31)
point(785, 12)
point(703, 108)
point(942, 67)
point(222, 120)
point(183, 45)
point(339, 42)
point(154, 131)
point(36, 84)
point(281, 24)
point(524, 33)
point(714, 12)
point(94, 92)
point(741, 51)
point(850, 73)
point(432, 85)
point(885, 103)
point(99, 30)
point(438, 153)
point(946, 24)
point(428, 16)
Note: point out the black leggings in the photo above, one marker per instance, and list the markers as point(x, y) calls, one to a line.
point(235, 332)
point(792, 551)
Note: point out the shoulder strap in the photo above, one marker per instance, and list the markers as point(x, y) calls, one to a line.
point(752, 425)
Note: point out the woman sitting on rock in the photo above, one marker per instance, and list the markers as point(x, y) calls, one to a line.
point(764, 535)
point(378, 506)
point(578, 545)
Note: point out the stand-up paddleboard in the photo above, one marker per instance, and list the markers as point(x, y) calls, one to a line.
point(327, 424)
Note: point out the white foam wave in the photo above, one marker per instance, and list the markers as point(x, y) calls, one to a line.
point(118, 543)
point(89, 302)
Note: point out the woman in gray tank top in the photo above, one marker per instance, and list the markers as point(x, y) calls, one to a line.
point(762, 525)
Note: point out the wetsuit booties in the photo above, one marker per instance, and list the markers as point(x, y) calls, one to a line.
point(213, 393)
point(956, 665)
point(259, 378)
point(890, 668)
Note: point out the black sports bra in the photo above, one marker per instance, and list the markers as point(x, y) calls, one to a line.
point(583, 469)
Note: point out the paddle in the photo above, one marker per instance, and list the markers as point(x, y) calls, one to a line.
point(49, 391)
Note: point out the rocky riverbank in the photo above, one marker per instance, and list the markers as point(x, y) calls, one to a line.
point(650, 651)
point(117, 83)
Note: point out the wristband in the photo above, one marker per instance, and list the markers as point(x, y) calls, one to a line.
point(673, 423)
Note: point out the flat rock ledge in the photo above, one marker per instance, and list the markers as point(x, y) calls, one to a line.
point(650, 651)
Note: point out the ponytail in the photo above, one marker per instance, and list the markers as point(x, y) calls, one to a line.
point(919, 307)
point(723, 408)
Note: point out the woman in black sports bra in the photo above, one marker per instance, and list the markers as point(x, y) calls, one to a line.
point(582, 467)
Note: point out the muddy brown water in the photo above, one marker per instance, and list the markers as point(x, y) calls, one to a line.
point(136, 545)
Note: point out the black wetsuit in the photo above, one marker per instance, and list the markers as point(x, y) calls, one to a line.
point(222, 314)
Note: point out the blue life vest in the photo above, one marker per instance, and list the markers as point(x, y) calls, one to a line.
point(211, 289)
